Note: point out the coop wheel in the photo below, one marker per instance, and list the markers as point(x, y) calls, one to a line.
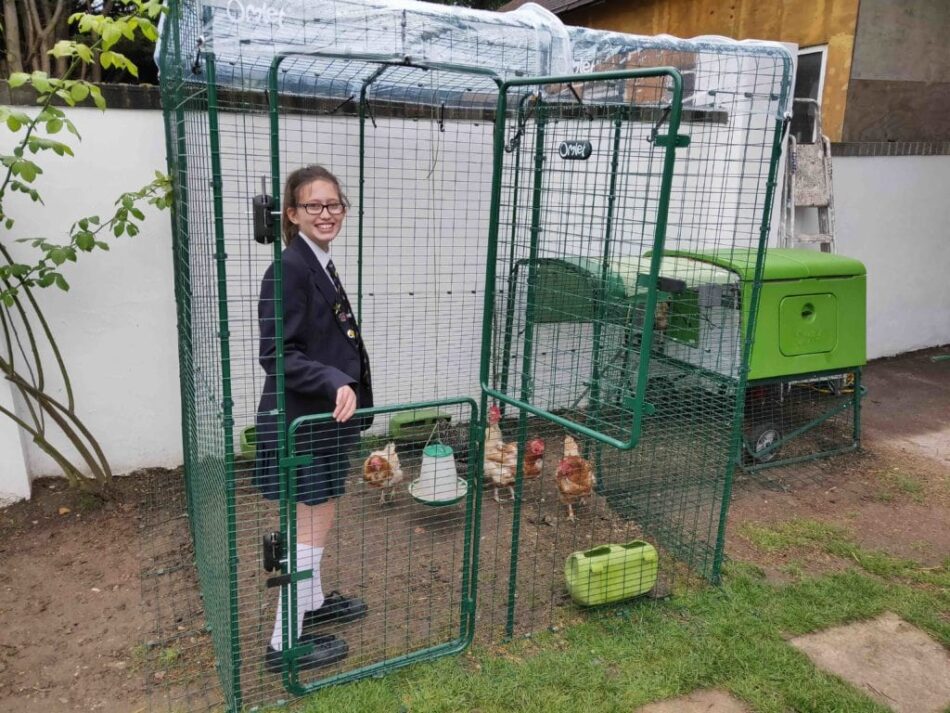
point(758, 439)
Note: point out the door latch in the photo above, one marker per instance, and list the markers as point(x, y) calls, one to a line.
point(273, 551)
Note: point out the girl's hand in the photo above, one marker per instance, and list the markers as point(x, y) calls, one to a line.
point(345, 404)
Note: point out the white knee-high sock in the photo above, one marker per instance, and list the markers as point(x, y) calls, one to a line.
point(309, 592)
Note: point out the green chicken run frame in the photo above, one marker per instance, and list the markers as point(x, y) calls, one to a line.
point(535, 211)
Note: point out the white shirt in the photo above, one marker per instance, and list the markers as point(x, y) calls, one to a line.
point(323, 256)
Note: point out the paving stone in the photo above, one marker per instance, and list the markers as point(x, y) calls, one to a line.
point(890, 660)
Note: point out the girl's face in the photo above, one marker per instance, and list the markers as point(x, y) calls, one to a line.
point(319, 212)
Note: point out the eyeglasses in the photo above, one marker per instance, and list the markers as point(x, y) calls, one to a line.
point(317, 208)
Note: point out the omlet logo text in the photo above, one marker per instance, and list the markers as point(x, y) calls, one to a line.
point(262, 13)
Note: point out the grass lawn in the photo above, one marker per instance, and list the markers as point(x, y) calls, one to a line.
point(732, 637)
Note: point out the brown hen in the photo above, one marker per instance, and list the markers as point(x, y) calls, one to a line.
point(501, 459)
point(382, 470)
point(533, 458)
point(575, 477)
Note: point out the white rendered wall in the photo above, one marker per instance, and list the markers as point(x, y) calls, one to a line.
point(14, 479)
point(893, 214)
point(116, 326)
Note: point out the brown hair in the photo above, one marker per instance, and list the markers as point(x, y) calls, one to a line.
point(297, 180)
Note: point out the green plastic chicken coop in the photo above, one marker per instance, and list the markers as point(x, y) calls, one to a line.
point(808, 338)
point(804, 392)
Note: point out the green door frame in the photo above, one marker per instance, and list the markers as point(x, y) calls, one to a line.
point(669, 142)
point(290, 459)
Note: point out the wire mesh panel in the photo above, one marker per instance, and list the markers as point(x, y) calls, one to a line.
point(405, 137)
point(602, 320)
point(201, 297)
point(801, 418)
point(583, 186)
point(177, 655)
point(400, 542)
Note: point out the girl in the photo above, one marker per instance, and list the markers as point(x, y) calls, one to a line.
point(326, 369)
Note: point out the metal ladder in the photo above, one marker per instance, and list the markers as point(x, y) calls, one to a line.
point(808, 184)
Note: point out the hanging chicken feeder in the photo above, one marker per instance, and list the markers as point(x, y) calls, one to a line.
point(438, 483)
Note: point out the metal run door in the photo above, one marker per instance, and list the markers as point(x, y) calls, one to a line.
point(583, 175)
point(582, 182)
point(411, 145)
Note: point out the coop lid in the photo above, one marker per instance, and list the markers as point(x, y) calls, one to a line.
point(624, 276)
point(615, 281)
point(780, 263)
point(692, 273)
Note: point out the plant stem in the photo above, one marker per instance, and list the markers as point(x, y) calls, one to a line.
point(101, 469)
point(49, 336)
point(73, 475)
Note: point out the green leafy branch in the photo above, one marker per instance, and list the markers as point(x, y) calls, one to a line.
point(83, 237)
point(22, 172)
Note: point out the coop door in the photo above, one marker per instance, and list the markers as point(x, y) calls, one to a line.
point(411, 153)
point(583, 172)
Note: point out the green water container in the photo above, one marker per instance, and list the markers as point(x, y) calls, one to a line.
point(611, 573)
point(417, 424)
point(247, 442)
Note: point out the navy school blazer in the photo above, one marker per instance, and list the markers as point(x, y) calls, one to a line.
point(319, 356)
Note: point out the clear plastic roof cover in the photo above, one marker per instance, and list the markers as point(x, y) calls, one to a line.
point(245, 36)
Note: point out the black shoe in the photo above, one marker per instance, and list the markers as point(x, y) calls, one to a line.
point(327, 649)
point(336, 609)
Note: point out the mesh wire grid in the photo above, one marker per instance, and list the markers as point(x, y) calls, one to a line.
point(801, 418)
point(573, 272)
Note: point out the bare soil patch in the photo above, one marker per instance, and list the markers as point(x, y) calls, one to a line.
point(697, 702)
point(70, 604)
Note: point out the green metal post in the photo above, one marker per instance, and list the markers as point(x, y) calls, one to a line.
point(857, 407)
point(362, 192)
point(470, 542)
point(659, 241)
point(739, 412)
point(514, 269)
point(177, 168)
point(527, 356)
point(487, 314)
point(597, 345)
point(287, 518)
point(360, 216)
point(288, 462)
point(227, 420)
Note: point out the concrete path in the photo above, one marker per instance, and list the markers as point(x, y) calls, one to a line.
point(893, 662)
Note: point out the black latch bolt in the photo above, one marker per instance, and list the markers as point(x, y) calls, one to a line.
point(262, 210)
point(273, 551)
